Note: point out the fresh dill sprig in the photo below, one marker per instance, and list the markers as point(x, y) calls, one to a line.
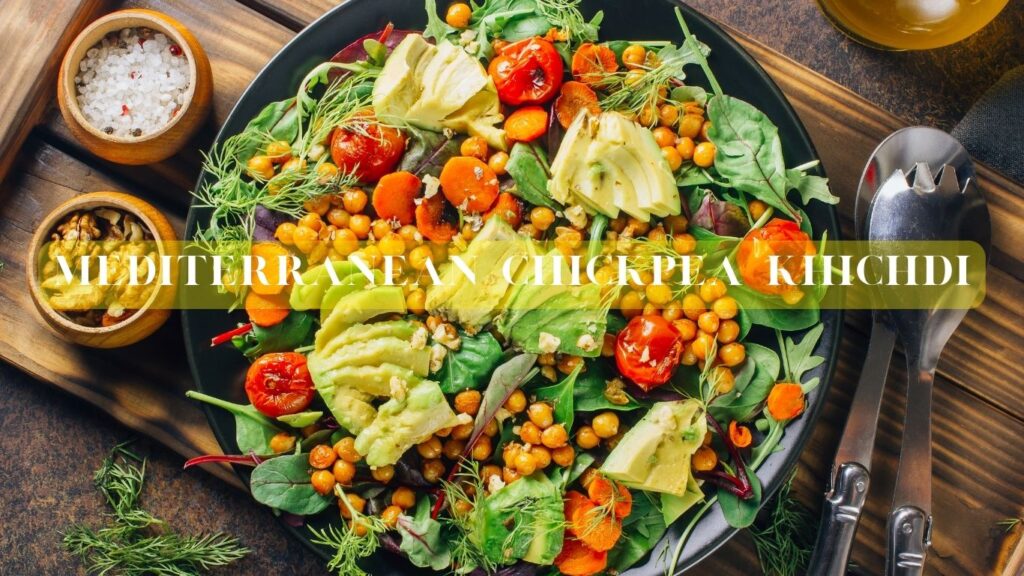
point(125, 546)
point(348, 544)
point(565, 15)
point(635, 93)
point(785, 539)
point(467, 487)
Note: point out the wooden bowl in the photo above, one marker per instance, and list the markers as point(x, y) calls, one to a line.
point(157, 145)
point(149, 317)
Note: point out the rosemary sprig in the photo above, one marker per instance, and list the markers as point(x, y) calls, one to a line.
point(126, 546)
point(348, 544)
point(785, 539)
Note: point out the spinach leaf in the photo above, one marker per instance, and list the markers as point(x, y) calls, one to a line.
point(690, 94)
point(253, 430)
point(283, 483)
point(771, 311)
point(468, 368)
point(427, 152)
point(741, 513)
point(560, 396)
point(749, 152)
point(693, 175)
point(421, 539)
point(279, 120)
point(590, 386)
point(294, 332)
point(810, 187)
point(641, 531)
point(753, 382)
point(528, 166)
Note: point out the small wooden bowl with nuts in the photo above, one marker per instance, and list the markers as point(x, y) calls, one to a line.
point(103, 306)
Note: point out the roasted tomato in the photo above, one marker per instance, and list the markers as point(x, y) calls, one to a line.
point(367, 149)
point(279, 383)
point(647, 350)
point(434, 219)
point(782, 238)
point(527, 72)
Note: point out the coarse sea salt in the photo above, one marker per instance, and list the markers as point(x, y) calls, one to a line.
point(132, 83)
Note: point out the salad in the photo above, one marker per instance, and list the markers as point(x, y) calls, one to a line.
point(425, 384)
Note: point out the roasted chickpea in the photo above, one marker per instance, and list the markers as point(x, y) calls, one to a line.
point(672, 311)
point(732, 354)
point(305, 239)
point(728, 331)
point(586, 438)
point(563, 456)
point(358, 527)
point(312, 221)
point(685, 147)
point(344, 471)
point(702, 345)
point(724, 379)
point(381, 228)
point(453, 448)
point(526, 464)
point(568, 363)
point(285, 233)
point(690, 125)
point(390, 516)
point(687, 328)
point(498, 162)
point(419, 256)
point(468, 402)
point(323, 482)
point(606, 425)
point(684, 243)
point(757, 209)
point(542, 217)
point(541, 414)
point(383, 474)
point(658, 294)
point(530, 433)
point(279, 151)
point(542, 455)
point(712, 289)
point(634, 56)
point(554, 436)
point(704, 154)
point(664, 136)
point(321, 457)
point(704, 130)
point(282, 442)
point(688, 358)
point(345, 242)
point(338, 217)
point(391, 244)
point(462, 431)
point(430, 448)
point(509, 475)
point(708, 322)
point(672, 156)
point(433, 470)
point(483, 448)
point(260, 167)
point(491, 428)
point(346, 450)
point(726, 307)
point(357, 502)
point(325, 173)
point(475, 147)
point(416, 301)
point(668, 115)
point(360, 225)
point(693, 306)
point(704, 459)
point(403, 497)
point(489, 471)
point(458, 15)
point(510, 453)
point(631, 304)
point(354, 200)
point(648, 114)
point(516, 402)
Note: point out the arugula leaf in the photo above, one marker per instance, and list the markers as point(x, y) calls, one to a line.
point(800, 357)
point(810, 187)
point(641, 531)
point(427, 152)
point(741, 513)
point(561, 397)
point(528, 166)
point(283, 483)
point(253, 430)
point(468, 367)
point(421, 538)
point(753, 382)
point(436, 27)
point(294, 332)
point(689, 94)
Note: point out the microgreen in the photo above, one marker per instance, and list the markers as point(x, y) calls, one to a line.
point(347, 545)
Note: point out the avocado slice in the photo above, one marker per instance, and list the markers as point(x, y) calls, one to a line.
point(349, 284)
point(315, 282)
point(655, 454)
point(350, 407)
point(403, 422)
point(373, 380)
point(360, 306)
point(374, 353)
point(402, 329)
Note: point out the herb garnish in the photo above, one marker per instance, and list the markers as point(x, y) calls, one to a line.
point(357, 539)
point(136, 542)
point(785, 540)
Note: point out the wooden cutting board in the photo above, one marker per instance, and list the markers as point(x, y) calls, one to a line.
point(979, 412)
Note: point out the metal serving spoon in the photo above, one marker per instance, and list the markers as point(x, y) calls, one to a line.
point(850, 480)
point(951, 208)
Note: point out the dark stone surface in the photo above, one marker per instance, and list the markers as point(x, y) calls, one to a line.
point(52, 443)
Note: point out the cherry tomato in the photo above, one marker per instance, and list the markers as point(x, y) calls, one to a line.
point(782, 238)
point(369, 152)
point(527, 72)
point(647, 351)
point(279, 383)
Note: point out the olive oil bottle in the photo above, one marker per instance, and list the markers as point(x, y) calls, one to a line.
point(910, 24)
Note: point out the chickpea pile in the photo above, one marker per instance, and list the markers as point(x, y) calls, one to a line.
point(543, 440)
point(449, 444)
point(604, 427)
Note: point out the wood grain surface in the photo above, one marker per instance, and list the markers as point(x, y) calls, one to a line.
point(979, 411)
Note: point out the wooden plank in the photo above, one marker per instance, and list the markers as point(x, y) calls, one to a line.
point(33, 39)
point(135, 385)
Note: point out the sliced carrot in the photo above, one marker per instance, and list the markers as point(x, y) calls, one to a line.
point(526, 124)
point(604, 492)
point(578, 559)
point(595, 528)
point(592, 62)
point(266, 310)
point(395, 197)
point(430, 220)
point(574, 501)
point(508, 208)
point(271, 255)
point(623, 503)
point(740, 435)
point(469, 184)
point(575, 96)
point(786, 401)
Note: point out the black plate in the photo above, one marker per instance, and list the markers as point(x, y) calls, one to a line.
point(219, 371)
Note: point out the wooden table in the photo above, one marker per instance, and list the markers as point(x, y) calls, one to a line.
point(979, 412)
